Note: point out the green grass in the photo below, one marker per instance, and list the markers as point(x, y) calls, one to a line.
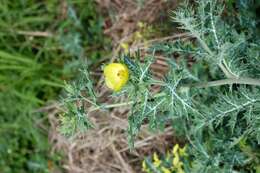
point(33, 70)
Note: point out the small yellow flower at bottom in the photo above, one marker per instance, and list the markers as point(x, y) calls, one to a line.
point(176, 161)
point(180, 170)
point(156, 161)
point(116, 75)
point(175, 149)
point(165, 170)
point(144, 166)
point(182, 151)
point(168, 156)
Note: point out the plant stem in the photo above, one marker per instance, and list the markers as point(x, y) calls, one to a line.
point(111, 106)
point(120, 104)
point(222, 65)
point(204, 46)
point(225, 70)
point(229, 81)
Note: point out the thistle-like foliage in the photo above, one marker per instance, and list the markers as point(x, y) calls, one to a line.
point(75, 118)
point(215, 102)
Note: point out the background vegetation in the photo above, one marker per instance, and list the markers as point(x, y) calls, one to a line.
point(44, 43)
point(209, 95)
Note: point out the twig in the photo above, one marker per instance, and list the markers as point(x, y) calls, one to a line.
point(127, 168)
point(35, 33)
point(149, 42)
point(47, 108)
point(229, 81)
point(245, 81)
point(222, 65)
point(185, 34)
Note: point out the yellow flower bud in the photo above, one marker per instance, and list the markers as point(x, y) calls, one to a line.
point(140, 24)
point(138, 35)
point(156, 160)
point(116, 76)
point(125, 46)
point(165, 170)
point(144, 166)
point(175, 149)
point(176, 161)
point(168, 155)
point(182, 151)
point(180, 170)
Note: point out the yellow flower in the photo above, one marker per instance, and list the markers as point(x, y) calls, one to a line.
point(165, 170)
point(177, 164)
point(176, 161)
point(175, 149)
point(156, 160)
point(125, 46)
point(116, 76)
point(144, 166)
point(180, 170)
point(182, 151)
point(168, 155)
point(138, 35)
point(140, 24)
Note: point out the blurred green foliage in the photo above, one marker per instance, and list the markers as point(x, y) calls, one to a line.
point(36, 43)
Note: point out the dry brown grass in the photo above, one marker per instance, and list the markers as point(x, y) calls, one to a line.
point(124, 15)
point(105, 149)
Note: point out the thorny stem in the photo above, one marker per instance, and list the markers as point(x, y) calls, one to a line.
point(229, 74)
point(119, 104)
point(222, 65)
point(229, 81)
point(213, 25)
point(111, 106)
point(204, 45)
point(225, 71)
